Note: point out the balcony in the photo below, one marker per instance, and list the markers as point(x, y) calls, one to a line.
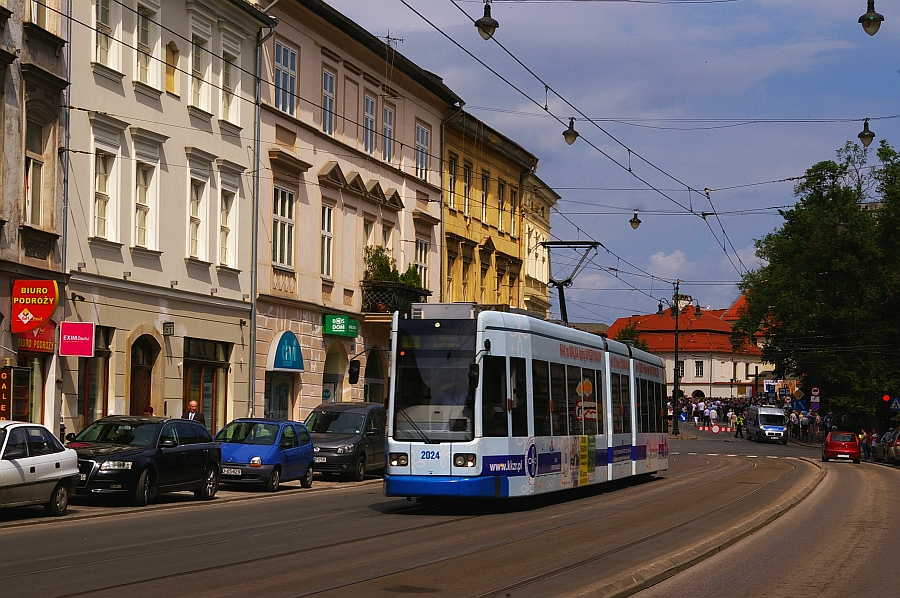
point(380, 297)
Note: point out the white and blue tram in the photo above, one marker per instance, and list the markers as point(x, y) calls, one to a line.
point(492, 405)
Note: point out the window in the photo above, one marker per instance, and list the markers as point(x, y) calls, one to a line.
point(283, 228)
point(229, 107)
point(558, 408)
point(285, 78)
point(34, 168)
point(226, 254)
point(493, 397)
point(369, 124)
point(198, 72)
point(467, 186)
point(102, 166)
point(422, 260)
point(698, 369)
point(501, 191)
point(484, 196)
point(423, 151)
point(144, 177)
point(325, 264)
point(387, 131)
point(512, 212)
point(197, 190)
point(541, 379)
point(104, 31)
point(386, 233)
point(39, 14)
point(172, 68)
point(368, 230)
point(93, 380)
point(206, 365)
point(328, 102)
point(144, 47)
point(680, 368)
point(574, 384)
point(451, 182)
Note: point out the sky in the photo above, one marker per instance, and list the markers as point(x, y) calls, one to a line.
point(670, 98)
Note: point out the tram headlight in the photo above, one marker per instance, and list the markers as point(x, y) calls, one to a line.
point(464, 460)
point(398, 459)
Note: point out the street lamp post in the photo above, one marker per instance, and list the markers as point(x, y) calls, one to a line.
point(676, 389)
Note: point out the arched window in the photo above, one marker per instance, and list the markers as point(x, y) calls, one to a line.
point(172, 68)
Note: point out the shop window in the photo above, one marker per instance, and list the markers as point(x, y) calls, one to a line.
point(206, 379)
point(93, 380)
point(28, 388)
point(279, 390)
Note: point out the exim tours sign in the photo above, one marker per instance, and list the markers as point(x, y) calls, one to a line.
point(33, 303)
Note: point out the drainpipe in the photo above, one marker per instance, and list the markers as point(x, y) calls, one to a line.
point(254, 269)
point(443, 240)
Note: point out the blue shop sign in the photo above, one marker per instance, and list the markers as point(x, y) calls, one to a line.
point(285, 354)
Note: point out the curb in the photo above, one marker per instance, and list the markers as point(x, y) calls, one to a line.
point(654, 573)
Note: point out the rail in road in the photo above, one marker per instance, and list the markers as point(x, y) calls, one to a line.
point(353, 541)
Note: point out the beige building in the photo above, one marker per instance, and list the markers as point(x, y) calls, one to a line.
point(160, 194)
point(539, 201)
point(33, 81)
point(349, 159)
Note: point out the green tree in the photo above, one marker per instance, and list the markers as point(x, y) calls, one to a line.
point(629, 333)
point(826, 298)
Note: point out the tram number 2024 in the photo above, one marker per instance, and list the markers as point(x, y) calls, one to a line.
point(430, 455)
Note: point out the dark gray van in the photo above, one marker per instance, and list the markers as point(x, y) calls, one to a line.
point(348, 438)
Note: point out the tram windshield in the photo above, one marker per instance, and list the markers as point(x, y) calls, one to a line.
point(432, 400)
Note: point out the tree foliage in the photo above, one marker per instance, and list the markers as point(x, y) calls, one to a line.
point(629, 333)
point(828, 295)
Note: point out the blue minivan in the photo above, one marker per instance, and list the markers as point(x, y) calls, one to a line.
point(266, 452)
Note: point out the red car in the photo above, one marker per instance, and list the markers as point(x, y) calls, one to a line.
point(841, 445)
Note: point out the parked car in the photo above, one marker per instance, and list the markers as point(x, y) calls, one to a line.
point(880, 452)
point(140, 457)
point(35, 468)
point(266, 452)
point(348, 438)
point(841, 445)
point(891, 454)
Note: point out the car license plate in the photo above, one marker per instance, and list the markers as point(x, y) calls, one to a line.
point(843, 456)
point(320, 459)
point(82, 477)
point(230, 471)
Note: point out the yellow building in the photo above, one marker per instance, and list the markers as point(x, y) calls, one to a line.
point(490, 195)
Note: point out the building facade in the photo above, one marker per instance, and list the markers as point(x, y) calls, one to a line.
point(349, 160)
point(161, 207)
point(33, 81)
point(539, 202)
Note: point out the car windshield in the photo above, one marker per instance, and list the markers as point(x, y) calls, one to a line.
point(248, 433)
point(127, 433)
point(335, 422)
point(767, 419)
point(843, 437)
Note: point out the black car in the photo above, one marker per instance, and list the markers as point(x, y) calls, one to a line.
point(140, 457)
point(348, 438)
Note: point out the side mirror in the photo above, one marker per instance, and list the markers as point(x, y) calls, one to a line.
point(168, 443)
point(473, 376)
point(15, 453)
point(374, 432)
point(70, 436)
point(354, 371)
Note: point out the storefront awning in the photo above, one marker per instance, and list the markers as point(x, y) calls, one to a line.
point(284, 353)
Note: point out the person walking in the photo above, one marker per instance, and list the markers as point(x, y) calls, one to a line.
point(193, 414)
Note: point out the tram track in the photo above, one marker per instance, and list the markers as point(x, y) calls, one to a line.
point(686, 481)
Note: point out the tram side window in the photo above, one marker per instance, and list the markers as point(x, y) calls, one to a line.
point(601, 405)
point(590, 405)
point(574, 383)
point(540, 376)
point(493, 397)
point(626, 406)
point(518, 388)
point(660, 408)
point(616, 399)
point(652, 407)
point(643, 411)
point(558, 399)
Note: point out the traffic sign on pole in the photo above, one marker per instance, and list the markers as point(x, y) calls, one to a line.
point(895, 404)
point(814, 391)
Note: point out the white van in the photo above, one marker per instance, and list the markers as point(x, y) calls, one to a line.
point(767, 424)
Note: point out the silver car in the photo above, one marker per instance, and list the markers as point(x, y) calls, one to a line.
point(35, 468)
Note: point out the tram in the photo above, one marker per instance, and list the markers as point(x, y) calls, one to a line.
point(488, 404)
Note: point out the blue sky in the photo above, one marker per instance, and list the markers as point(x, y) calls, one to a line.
point(681, 85)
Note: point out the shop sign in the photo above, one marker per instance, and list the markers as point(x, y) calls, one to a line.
point(285, 354)
point(341, 326)
point(5, 394)
point(39, 340)
point(76, 339)
point(33, 303)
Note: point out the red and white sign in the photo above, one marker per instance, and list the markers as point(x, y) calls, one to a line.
point(39, 340)
point(33, 303)
point(76, 339)
point(815, 391)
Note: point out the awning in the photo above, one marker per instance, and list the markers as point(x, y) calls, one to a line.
point(284, 353)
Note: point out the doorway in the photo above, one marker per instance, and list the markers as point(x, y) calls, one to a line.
point(143, 355)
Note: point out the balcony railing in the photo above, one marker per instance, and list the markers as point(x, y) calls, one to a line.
point(388, 297)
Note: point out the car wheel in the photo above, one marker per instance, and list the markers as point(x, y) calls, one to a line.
point(274, 480)
point(856, 460)
point(824, 459)
point(360, 472)
point(210, 485)
point(142, 491)
point(307, 480)
point(59, 501)
point(784, 442)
